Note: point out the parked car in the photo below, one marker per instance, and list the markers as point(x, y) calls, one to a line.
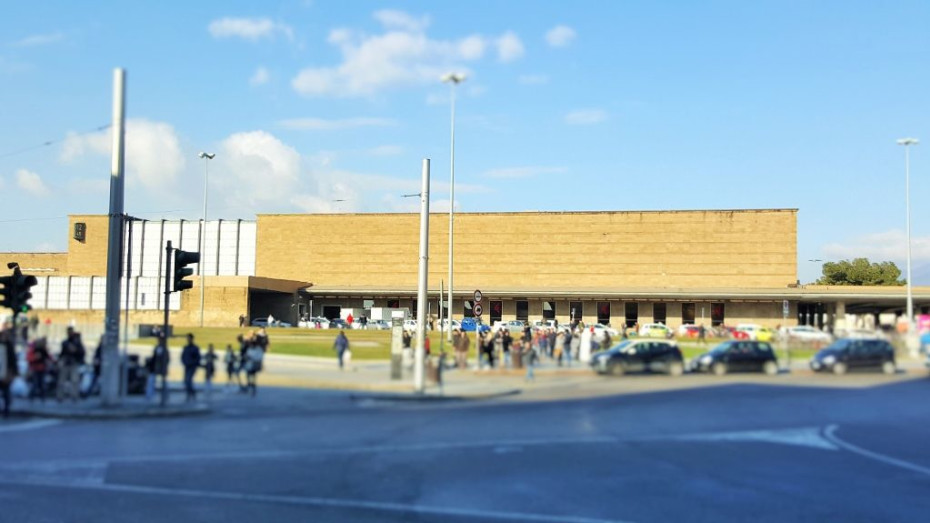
point(474, 324)
point(456, 324)
point(863, 334)
point(687, 330)
point(512, 326)
point(640, 355)
point(411, 325)
point(737, 356)
point(806, 333)
point(654, 330)
point(339, 323)
point(378, 325)
point(263, 322)
point(847, 354)
point(314, 323)
point(756, 332)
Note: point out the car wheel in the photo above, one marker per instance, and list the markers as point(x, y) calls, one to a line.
point(719, 368)
point(676, 368)
point(889, 367)
point(617, 369)
point(839, 368)
point(770, 368)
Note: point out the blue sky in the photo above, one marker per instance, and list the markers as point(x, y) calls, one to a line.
point(568, 106)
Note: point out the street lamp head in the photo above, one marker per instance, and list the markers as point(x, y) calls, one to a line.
point(455, 78)
point(908, 141)
point(208, 156)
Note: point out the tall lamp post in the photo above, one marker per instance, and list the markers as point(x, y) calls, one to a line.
point(453, 79)
point(203, 230)
point(907, 143)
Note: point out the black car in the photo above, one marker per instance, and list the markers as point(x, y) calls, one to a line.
point(640, 355)
point(848, 354)
point(737, 356)
point(339, 323)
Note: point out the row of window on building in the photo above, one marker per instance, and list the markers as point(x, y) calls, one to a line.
point(605, 313)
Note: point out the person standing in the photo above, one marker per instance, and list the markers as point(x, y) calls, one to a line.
point(70, 360)
point(702, 335)
point(507, 341)
point(231, 368)
point(39, 362)
point(261, 339)
point(254, 357)
point(529, 359)
point(190, 358)
point(209, 368)
point(8, 368)
point(341, 345)
point(560, 352)
point(241, 320)
point(161, 358)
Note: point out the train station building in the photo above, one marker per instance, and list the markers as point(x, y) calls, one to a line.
point(613, 267)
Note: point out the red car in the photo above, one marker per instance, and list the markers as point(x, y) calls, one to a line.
point(737, 335)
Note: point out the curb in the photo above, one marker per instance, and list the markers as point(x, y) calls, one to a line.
point(117, 413)
point(431, 397)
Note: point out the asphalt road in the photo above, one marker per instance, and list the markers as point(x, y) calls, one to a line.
point(721, 452)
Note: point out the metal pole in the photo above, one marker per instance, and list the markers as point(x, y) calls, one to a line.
point(441, 337)
point(451, 207)
point(203, 239)
point(910, 298)
point(109, 388)
point(421, 288)
point(124, 359)
point(164, 330)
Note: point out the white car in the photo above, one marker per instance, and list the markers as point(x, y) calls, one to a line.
point(864, 334)
point(751, 329)
point(806, 333)
point(512, 326)
point(456, 324)
point(411, 325)
point(654, 330)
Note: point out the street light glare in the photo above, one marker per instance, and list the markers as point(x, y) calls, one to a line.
point(454, 77)
point(908, 141)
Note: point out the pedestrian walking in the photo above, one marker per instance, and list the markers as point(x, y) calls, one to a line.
point(575, 344)
point(255, 355)
point(241, 320)
point(96, 364)
point(8, 368)
point(209, 368)
point(529, 359)
point(40, 362)
point(244, 343)
point(190, 358)
point(702, 335)
point(560, 352)
point(161, 359)
point(70, 361)
point(507, 341)
point(231, 365)
point(341, 345)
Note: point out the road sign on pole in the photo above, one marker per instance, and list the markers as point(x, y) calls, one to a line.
point(478, 309)
point(477, 296)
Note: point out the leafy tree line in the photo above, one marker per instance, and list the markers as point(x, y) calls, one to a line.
point(860, 272)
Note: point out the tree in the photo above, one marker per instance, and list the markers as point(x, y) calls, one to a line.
point(860, 272)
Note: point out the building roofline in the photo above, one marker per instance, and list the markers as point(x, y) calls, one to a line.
point(499, 213)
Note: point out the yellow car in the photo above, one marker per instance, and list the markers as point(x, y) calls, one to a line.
point(765, 334)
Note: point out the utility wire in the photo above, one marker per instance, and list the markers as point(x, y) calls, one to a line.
point(53, 142)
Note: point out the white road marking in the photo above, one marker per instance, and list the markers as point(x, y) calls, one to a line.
point(804, 437)
point(29, 425)
point(830, 434)
point(327, 502)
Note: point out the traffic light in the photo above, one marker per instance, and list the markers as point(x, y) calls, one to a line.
point(8, 293)
point(22, 291)
point(181, 260)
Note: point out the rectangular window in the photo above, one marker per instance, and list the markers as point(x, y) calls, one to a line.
point(659, 313)
point(687, 313)
point(497, 311)
point(393, 304)
point(603, 312)
point(523, 310)
point(413, 311)
point(548, 310)
point(575, 311)
point(468, 310)
point(716, 314)
point(632, 314)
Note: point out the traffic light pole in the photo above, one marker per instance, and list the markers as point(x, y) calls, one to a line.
point(110, 364)
point(168, 250)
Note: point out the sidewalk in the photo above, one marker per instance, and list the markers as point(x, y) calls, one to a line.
point(93, 409)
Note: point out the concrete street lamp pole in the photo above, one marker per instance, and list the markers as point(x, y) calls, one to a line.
point(907, 143)
point(453, 79)
point(203, 230)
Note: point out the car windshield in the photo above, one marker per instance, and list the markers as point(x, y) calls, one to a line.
point(722, 347)
point(622, 345)
point(839, 345)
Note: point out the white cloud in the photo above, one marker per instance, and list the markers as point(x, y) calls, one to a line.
point(522, 172)
point(257, 170)
point(153, 152)
point(509, 47)
point(260, 77)
point(386, 150)
point(402, 56)
point(560, 36)
point(252, 29)
point(40, 39)
point(321, 124)
point(534, 79)
point(881, 246)
point(393, 19)
point(585, 117)
point(31, 183)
